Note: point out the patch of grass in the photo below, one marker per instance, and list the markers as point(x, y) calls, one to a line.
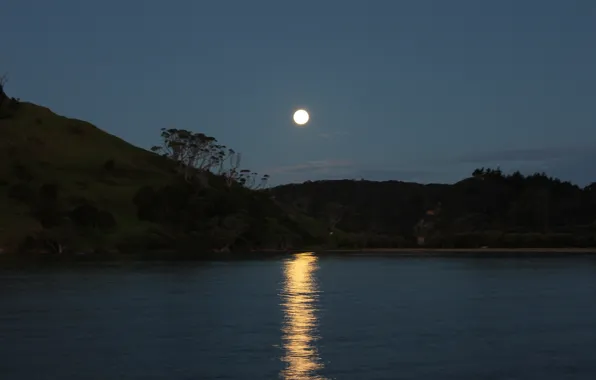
point(37, 146)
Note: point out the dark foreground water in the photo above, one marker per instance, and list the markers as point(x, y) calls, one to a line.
point(304, 317)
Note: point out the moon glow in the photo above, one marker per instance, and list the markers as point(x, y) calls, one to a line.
point(301, 117)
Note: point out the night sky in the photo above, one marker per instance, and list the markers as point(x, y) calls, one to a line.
point(410, 90)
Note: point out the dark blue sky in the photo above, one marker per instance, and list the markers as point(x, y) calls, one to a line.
point(408, 90)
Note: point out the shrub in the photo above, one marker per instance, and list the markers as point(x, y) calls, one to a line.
point(85, 215)
point(48, 192)
point(48, 214)
point(88, 216)
point(109, 165)
point(22, 172)
point(22, 192)
point(105, 220)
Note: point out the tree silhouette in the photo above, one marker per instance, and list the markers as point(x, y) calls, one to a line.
point(3, 81)
point(197, 154)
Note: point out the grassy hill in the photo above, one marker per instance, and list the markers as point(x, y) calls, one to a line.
point(39, 147)
point(61, 179)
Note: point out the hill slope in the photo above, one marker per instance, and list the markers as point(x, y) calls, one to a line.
point(39, 147)
point(488, 209)
point(64, 182)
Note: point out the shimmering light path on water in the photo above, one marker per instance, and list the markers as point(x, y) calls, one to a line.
point(304, 317)
point(299, 301)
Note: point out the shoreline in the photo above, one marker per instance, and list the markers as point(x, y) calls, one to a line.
point(171, 256)
point(461, 250)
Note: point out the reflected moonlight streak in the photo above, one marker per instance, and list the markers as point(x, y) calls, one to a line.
point(299, 298)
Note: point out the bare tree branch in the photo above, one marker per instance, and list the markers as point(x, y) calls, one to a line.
point(197, 154)
point(3, 81)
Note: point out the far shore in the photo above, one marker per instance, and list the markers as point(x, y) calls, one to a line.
point(172, 255)
point(458, 250)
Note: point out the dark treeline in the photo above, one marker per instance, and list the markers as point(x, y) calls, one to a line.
point(489, 209)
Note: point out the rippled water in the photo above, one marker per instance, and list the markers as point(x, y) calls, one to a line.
point(304, 317)
point(299, 297)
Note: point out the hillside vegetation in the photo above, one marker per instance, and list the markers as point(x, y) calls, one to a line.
point(73, 158)
point(68, 187)
point(489, 209)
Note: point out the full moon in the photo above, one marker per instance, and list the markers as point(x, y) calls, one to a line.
point(301, 117)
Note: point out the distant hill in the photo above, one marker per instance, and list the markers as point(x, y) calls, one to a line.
point(488, 209)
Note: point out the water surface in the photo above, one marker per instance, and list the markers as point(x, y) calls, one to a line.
point(304, 317)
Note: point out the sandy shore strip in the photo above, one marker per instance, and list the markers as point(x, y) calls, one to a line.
point(460, 250)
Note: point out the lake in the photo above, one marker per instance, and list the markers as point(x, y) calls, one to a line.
point(304, 316)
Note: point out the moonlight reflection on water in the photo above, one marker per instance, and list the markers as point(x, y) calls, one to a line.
point(299, 298)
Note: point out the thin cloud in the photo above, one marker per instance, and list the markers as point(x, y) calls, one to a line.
point(312, 167)
point(332, 134)
point(343, 169)
point(414, 175)
point(527, 155)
